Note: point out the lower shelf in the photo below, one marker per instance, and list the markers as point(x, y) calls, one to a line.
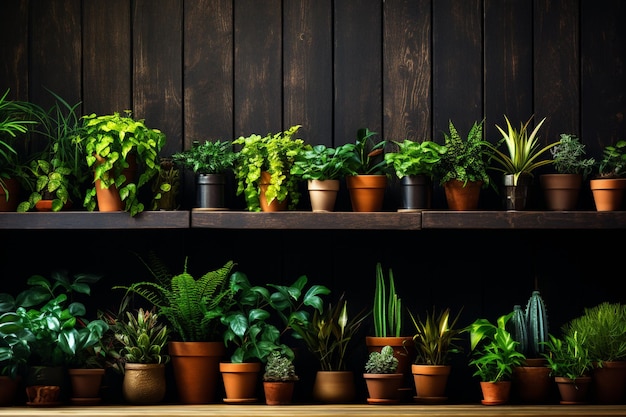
point(258, 410)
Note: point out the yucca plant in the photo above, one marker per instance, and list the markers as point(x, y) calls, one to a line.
point(522, 150)
point(193, 307)
point(436, 336)
point(143, 338)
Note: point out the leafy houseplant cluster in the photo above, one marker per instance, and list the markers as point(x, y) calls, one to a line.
point(323, 163)
point(568, 156)
point(415, 158)
point(207, 157)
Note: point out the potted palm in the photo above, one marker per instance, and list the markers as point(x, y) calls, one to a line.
point(263, 170)
point(209, 161)
point(279, 379)
point(608, 184)
point(494, 354)
point(415, 163)
point(124, 155)
point(435, 341)
point(562, 189)
point(367, 172)
point(382, 377)
point(518, 161)
point(329, 336)
point(322, 167)
point(462, 170)
point(144, 339)
point(193, 308)
point(570, 366)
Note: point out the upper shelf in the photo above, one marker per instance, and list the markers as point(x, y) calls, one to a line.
point(307, 220)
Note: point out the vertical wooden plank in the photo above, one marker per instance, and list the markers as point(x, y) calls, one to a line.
point(107, 52)
point(407, 81)
point(208, 77)
point(358, 68)
point(603, 57)
point(308, 69)
point(556, 67)
point(157, 57)
point(55, 51)
point(14, 49)
point(457, 65)
point(258, 67)
point(508, 64)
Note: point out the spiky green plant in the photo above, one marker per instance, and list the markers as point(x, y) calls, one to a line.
point(143, 338)
point(435, 337)
point(192, 307)
point(387, 310)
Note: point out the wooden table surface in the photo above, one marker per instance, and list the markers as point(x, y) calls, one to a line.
point(225, 410)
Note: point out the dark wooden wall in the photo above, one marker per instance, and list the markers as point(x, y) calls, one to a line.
point(218, 69)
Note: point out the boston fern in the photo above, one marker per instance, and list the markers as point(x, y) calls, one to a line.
point(193, 307)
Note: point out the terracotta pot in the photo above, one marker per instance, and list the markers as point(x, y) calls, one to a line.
point(367, 192)
point(275, 205)
point(532, 384)
point(240, 381)
point(9, 202)
point(495, 393)
point(144, 383)
point(462, 198)
point(108, 198)
point(278, 393)
point(323, 194)
point(561, 191)
point(196, 370)
point(608, 194)
point(383, 388)
point(334, 387)
point(8, 390)
point(86, 385)
point(574, 391)
point(42, 395)
point(431, 381)
point(609, 382)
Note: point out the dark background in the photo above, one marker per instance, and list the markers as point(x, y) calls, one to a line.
point(218, 69)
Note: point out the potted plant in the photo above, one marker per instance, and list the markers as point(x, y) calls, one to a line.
point(570, 366)
point(518, 161)
point(463, 168)
point(415, 165)
point(367, 172)
point(382, 377)
point(210, 161)
point(144, 339)
point(279, 379)
point(562, 189)
point(494, 354)
point(435, 341)
point(328, 335)
point(193, 309)
point(14, 354)
point(58, 173)
point(166, 186)
point(18, 119)
point(603, 330)
point(608, 184)
point(263, 170)
point(323, 167)
point(388, 318)
point(124, 155)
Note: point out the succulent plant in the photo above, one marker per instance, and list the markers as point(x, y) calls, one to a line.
point(279, 368)
point(382, 362)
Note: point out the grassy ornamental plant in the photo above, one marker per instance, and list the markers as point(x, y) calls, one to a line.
point(465, 159)
point(275, 154)
point(143, 338)
point(415, 158)
point(568, 156)
point(279, 368)
point(208, 157)
point(523, 150)
point(193, 307)
point(567, 356)
point(436, 337)
point(383, 362)
point(493, 349)
point(387, 310)
point(109, 142)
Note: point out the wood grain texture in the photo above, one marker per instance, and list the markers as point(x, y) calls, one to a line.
point(14, 49)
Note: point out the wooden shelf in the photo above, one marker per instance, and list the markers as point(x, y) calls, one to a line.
point(307, 220)
point(296, 410)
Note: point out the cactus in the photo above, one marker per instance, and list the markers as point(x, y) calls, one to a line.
point(537, 325)
point(519, 329)
point(382, 362)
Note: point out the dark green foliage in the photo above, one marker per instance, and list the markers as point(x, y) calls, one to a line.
point(279, 368)
point(207, 157)
point(143, 338)
point(382, 362)
point(518, 328)
point(536, 324)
